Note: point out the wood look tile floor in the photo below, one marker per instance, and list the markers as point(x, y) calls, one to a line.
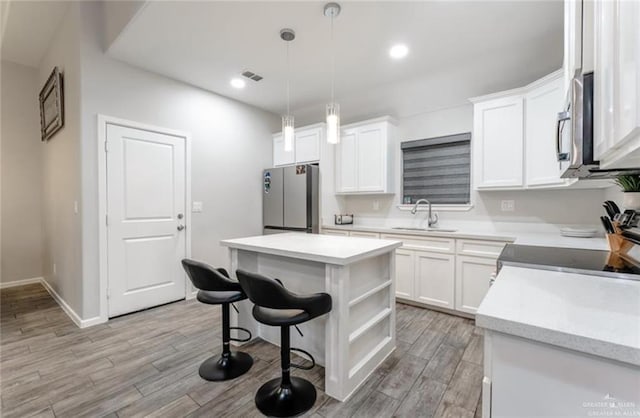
point(146, 364)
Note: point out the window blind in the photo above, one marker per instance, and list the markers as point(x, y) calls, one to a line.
point(437, 169)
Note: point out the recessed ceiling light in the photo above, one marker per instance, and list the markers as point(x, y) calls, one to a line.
point(238, 83)
point(398, 51)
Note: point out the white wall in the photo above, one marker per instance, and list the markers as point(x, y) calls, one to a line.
point(61, 170)
point(21, 174)
point(231, 144)
point(556, 207)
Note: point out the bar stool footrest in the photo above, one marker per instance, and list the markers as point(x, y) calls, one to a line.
point(299, 366)
point(241, 340)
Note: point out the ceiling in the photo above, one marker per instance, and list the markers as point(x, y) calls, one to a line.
point(28, 27)
point(208, 43)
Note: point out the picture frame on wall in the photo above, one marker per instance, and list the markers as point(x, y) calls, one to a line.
point(51, 105)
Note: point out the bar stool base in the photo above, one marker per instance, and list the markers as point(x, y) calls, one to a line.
point(219, 368)
point(275, 400)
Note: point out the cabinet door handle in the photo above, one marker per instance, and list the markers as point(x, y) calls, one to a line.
point(180, 227)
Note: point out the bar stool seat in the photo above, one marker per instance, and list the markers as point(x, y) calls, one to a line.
point(275, 305)
point(280, 317)
point(218, 298)
point(216, 288)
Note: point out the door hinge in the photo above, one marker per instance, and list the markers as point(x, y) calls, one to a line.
point(106, 147)
point(106, 220)
point(108, 293)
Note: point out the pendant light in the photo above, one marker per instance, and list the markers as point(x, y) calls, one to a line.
point(332, 10)
point(288, 130)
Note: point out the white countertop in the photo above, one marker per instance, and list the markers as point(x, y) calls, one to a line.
point(546, 238)
point(590, 314)
point(321, 248)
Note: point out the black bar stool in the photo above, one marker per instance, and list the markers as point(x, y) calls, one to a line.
point(274, 305)
point(216, 288)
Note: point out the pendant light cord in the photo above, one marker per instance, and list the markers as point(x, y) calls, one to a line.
point(288, 78)
point(333, 63)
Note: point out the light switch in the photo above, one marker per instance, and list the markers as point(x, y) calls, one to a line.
point(75, 206)
point(196, 207)
point(508, 205)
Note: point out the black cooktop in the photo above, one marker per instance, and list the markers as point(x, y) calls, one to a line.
point(572, 260)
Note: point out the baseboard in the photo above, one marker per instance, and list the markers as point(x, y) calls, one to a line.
point(81, 323)
point(4, 285)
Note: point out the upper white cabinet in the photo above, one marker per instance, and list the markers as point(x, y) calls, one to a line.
point(617, 83)
point(364, 158)
point(542, 105)
point(514, 136)
point(346, 168)
point(280, 156)
point(498, 138)
point(572, 41)
point(306, 146)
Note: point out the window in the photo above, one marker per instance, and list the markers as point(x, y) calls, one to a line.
point(437, 169)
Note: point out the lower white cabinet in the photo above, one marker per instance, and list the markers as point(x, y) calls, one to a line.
point(523, 377)
point(473, 275)
point(433, 278)
point(437, 271)
point(405, 266)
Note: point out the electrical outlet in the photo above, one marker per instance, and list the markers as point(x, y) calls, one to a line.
point(196, 207)
point(376, 205)
point(508, 205)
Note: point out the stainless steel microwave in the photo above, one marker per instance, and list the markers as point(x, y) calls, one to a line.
point(574, 134)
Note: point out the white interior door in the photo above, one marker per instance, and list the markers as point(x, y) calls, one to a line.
point(146, 193)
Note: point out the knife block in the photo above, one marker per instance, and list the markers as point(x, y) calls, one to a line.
point(619, 245)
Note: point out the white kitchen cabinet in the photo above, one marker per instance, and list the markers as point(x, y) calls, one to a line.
point(523, 377)
point(498, 127)
point(617, 83)
point(514, 138)
point(473, 275)
point(346, 168)
point(280, 156)
point(306, 146)
point(434, 279)
point(572, 41)
point(405, 267)
point(365, 158)
point(542, 104)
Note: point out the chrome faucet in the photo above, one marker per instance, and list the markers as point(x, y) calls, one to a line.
point(432, 219)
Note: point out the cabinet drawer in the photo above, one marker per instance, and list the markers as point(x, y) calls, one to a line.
point(441, 245)
point(362, 234)
point(490, 249)
point(335, 232)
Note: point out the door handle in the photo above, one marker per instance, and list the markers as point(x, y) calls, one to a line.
point(180, 227)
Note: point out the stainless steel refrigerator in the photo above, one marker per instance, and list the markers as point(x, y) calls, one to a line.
point(290, 199)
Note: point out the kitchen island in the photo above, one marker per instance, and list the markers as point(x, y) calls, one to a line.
point(359, 274)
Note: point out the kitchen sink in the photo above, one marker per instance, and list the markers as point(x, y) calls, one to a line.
point(407, 228)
